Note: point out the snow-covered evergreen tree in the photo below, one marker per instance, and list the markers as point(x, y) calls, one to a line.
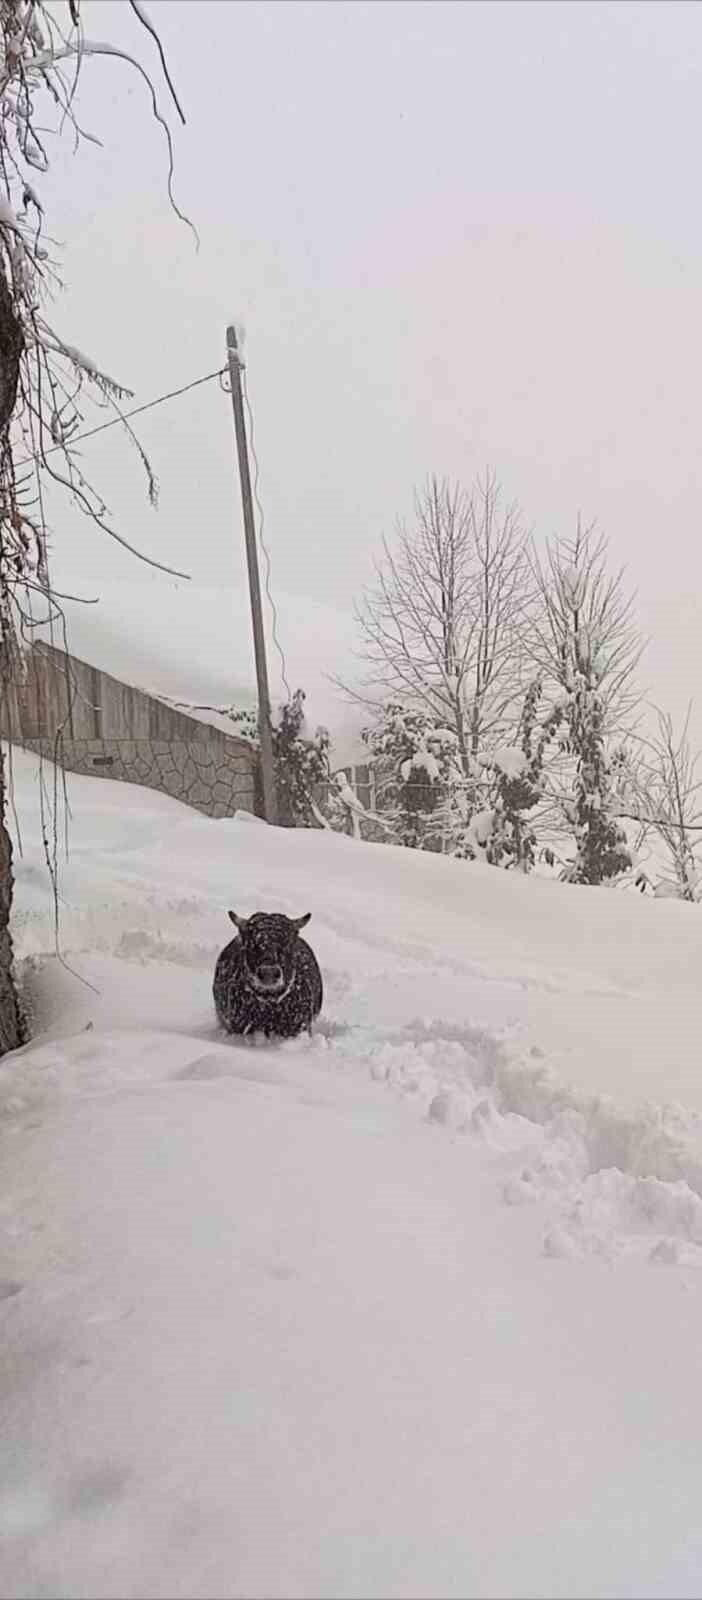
point(601, 848)
point(587, 649)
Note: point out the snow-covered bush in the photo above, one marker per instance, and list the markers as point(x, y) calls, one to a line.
point(503, 831)
point(301, 764)
point(415, 761)
point(480, 808)
point(301, 760)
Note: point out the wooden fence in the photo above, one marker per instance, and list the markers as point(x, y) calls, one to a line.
point(96, 724)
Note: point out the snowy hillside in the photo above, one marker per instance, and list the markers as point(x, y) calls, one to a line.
point(408, 1309)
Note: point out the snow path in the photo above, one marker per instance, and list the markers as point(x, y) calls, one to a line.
point(401, 1310)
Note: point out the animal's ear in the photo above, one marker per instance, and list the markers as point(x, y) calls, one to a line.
point(301, 922)
point(239, 922)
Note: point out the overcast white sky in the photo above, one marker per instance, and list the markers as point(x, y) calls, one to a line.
point(456, 234)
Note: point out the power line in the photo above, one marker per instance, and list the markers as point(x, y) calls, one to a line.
point(125, 417)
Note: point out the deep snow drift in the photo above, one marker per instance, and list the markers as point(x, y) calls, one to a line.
point(411, 1308)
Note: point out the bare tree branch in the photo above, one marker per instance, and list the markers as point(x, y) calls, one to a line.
point(89, 47)
point(140, 12)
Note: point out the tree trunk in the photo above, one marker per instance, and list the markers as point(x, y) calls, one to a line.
point(12, 1024)
point(11, 347)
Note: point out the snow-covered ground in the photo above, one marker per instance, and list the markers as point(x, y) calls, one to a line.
point(410, 1308)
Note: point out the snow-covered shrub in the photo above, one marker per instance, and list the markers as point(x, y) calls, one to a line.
point(301, 764)
point(503, 830)
point(414, 758)
point(301, 760)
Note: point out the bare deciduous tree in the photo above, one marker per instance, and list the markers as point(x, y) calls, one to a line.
point(441, 625)
point(583, 628)
point(668, 796)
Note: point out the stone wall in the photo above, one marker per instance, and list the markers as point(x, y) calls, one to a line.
point(209, 779)
point(93, 723)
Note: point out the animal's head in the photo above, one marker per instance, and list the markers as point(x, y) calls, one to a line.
point(269, 942)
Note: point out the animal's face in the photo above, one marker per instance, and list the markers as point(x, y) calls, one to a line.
point(269, 944)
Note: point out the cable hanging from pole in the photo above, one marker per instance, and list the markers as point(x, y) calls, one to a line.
point(259, 507)
point(114, 422)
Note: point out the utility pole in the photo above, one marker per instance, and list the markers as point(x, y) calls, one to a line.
point(264, 704)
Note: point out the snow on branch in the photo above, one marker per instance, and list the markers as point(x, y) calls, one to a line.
point(51, 341)
point(88, 47)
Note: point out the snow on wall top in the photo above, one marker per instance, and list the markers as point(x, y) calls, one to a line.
point(191, 643)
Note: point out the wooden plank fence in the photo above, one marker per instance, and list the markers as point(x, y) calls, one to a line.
point(96, 724)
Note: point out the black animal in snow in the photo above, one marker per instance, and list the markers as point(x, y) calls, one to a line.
point(267, 979)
